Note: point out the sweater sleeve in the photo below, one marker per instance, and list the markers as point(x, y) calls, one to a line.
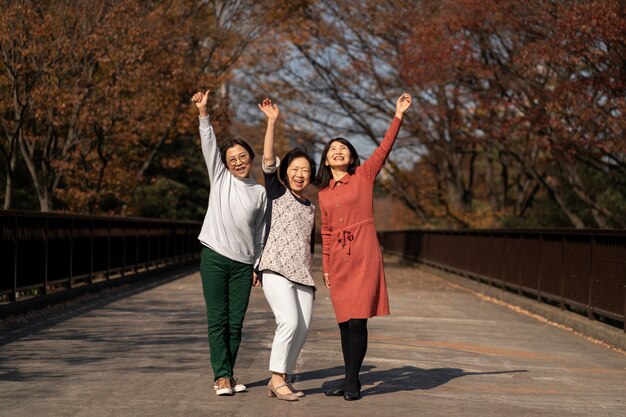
point(326, 234)
point(270, 173)
point(374, 163)
point(211, 154)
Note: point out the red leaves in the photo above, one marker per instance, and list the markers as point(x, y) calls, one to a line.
point(526, 85)
point(105, 83)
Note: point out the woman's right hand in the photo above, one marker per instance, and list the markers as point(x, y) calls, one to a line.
point(270, 110)
point(327, 280)
point(200, 99)
point(402, 104)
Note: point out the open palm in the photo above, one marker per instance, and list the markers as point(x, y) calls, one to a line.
point(270, 110)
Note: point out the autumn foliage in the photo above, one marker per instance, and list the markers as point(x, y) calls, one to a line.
point(93, 90)
point(518, 114)
point(518, 111)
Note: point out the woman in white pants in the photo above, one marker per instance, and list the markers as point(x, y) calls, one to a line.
point(287, 256)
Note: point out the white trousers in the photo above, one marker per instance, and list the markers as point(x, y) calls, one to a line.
point(292, 305)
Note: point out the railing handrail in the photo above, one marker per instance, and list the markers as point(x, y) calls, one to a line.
point(45, 252)
point(57, 215)
point(577, 269)
point(555, 231)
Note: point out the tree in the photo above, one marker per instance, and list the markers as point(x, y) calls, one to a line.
point(514, 101)
point(95, 89)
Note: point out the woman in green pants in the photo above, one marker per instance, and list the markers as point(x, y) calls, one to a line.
point(232, 235)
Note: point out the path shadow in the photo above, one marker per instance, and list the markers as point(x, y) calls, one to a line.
point(410, 378)
point(405, 378)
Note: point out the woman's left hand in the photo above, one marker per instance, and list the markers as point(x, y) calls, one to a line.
point(255, 280)
point(270, 110)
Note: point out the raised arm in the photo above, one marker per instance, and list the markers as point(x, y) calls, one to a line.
point(271, 111)
point(214, 164)
point(374, 163)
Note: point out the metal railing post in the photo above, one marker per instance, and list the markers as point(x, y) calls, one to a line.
point(71, 253)
point(123, 248)
point(590, 314)
point(108, 276)
point(562, 274)
point(46, 237)
point(13, 295)
point(540, 267)
point(91, 250)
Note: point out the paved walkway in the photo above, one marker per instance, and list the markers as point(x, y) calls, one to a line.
point(443, 352)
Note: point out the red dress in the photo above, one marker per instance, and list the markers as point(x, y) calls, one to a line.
point(350, 249)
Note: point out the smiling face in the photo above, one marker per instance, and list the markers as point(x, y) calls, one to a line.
point(338, 156)
point(299, 175)
point(238, 161)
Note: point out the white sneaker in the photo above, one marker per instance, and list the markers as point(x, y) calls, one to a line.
point(237, 386)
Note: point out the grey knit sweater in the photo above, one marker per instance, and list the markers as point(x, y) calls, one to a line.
point(235, 220)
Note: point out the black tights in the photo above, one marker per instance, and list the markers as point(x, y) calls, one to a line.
point(354, 346)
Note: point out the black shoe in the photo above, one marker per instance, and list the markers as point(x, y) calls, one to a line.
point(352, 396)
point(337, 392)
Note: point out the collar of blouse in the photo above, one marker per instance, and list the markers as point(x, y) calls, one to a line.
point(343, 180)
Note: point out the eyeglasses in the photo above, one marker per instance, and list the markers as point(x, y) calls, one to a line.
point(242, 157)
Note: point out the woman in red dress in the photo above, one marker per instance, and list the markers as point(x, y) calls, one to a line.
point(352, 262)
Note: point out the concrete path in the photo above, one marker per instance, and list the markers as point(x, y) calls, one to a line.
point(443, 352)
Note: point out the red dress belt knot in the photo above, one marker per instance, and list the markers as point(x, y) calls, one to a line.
point(344, 238)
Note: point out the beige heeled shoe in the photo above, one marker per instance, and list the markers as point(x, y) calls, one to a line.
point(296, 392)
point(272, 392)
point(289, 379)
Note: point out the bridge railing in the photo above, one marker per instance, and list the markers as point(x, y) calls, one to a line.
point(578, 269)
point(42, 253)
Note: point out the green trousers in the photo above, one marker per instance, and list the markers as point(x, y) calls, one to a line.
point(226, 285)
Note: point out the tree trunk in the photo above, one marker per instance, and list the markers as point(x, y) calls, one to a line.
point(600, 212)
point(45, 204)
point(8, 191)
point(553, 192)
point(496, 194)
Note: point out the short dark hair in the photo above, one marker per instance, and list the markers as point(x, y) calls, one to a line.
point(324, 174)
point(289, 158)
point(233, 142)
